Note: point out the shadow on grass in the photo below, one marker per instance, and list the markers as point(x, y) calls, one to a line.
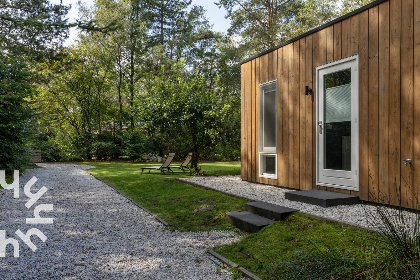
point(183, 206)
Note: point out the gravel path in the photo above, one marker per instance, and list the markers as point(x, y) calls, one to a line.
point(99, 234)
point(359, 214)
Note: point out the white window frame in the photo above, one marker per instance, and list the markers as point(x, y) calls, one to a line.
point(262, 169)
point(267, 86)
point(341, 179)
point(267, 151)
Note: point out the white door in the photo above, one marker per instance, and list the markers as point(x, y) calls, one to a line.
point(337, 124)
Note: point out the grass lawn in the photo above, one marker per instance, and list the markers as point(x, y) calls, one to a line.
point(296, 237)
point(184, 207)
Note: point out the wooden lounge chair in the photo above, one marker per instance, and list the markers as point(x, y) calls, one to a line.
point(164, 166)
point(184, 164)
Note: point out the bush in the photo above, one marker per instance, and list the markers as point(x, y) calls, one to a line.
point(47, 143)
point(81, 147)
point(51, 152)
point(106, 150)
point(135, 145)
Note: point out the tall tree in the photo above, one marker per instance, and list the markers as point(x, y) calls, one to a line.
point(348, 6)
point(31, 28)
point(260, 22)
point(263, 24)
point(311, 14)
point(163, 15)
point(112, 43)
point(126, 44)
point(136, 49)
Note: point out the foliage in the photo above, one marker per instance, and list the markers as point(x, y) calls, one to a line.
point(324, 264)
point(74, 103)
point(258, 22)
point(36, 29)
point(401, 232)
point(29, 31)
point(264, 24)
point(351, 5)
point(164, 16)
point(196, 171)
point(227, 68)
point(15, 113)
point(181, 106)
point(311, 14)
point(48, 144)
point(136, 145)
point(106, 146)
point(31, 28)
point(401, 237)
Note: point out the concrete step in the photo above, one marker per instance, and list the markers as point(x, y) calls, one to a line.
point(269, 210)
point(322, 198)
point(247, 221)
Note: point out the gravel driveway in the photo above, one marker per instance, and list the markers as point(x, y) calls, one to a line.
point(99, 234)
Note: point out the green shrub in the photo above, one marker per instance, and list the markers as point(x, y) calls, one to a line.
point(106, 150)
point(47, 143)
point(135, 145)
point(81, 147)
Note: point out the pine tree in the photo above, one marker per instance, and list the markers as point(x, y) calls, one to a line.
point(32, 29)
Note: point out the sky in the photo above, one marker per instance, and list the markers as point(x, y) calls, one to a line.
point(214, 14)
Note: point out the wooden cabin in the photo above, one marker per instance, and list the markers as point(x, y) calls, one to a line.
point(338, 108)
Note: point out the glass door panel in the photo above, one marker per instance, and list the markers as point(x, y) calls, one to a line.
point(337, 116)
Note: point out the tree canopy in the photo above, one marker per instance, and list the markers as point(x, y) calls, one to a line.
point(31, 28)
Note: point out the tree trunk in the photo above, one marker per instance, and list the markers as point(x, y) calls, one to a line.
point(132, 73)
point(195, 155)
point(162, 16)
point(120, 100)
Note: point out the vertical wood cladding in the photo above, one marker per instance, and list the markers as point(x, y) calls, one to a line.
point(386, 37)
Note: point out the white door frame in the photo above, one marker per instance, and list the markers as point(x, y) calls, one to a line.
point(342, 179)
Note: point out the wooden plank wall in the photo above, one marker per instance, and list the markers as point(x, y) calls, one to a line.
point(387, 39)
point(416, 158)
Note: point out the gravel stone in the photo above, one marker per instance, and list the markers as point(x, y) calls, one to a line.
point(99, 234)
point(362, 215)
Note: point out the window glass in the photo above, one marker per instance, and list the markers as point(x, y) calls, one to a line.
point(270, 118)
point(269, 164)
point(338, 120)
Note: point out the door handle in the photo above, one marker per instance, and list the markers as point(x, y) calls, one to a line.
point(320, 127)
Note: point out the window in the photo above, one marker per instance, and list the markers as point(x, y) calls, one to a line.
point(268, 165)
point(268, 117)
point(268, 130)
